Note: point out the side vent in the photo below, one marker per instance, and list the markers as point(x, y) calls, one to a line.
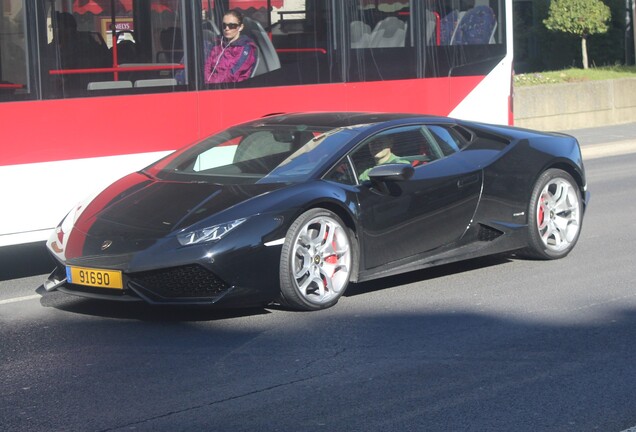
point(487, 233)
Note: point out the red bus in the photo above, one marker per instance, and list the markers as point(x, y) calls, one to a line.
point(93, 89)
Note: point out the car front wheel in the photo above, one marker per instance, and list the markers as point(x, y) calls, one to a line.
point(555, 215)
point(315, 261)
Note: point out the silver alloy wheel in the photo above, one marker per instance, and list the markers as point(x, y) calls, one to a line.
point(558, 214)
point(321, 262)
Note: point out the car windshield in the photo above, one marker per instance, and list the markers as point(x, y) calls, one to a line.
point(255, 154)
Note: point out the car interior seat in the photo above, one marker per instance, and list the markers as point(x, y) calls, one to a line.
point(448, 24)
point(476, 26)
point(171, 43)
point(267, 59)
point(209, 25)
point(390, 32)
point(360, 34)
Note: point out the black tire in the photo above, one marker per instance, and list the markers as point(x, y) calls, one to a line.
point(555, 215)
point(315, 263)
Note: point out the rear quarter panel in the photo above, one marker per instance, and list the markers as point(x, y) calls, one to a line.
point(510, 177)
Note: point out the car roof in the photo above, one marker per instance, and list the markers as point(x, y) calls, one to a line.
point(336, 119)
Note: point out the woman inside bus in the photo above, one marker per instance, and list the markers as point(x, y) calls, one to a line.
point(233, 57)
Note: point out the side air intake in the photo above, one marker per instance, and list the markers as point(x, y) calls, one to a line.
point(487, 233)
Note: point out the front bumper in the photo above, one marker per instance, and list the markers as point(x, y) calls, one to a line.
point(185, 285)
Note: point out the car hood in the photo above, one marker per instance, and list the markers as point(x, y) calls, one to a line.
point(136, 211)
point(164, 206)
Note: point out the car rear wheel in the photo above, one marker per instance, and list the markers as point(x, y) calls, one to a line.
point(315, 261)
point(555, 215)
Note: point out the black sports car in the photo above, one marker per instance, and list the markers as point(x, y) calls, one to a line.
point(290, 208)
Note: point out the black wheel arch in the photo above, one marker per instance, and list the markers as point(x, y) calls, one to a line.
point(576, 173)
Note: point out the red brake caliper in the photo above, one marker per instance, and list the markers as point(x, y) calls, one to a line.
point(541, 213)
point(331, 259)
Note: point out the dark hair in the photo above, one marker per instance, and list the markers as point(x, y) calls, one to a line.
point(236, 14)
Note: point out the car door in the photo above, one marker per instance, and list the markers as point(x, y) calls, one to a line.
point(432, 209)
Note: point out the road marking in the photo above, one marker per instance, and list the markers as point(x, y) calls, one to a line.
point(631, 429)
point(20, 299)
point(610, 149)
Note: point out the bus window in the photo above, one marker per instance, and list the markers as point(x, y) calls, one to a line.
point(14, 83)
point(380, 41)
point(300, 33)
point(89, 54)
point(472, 22)
point(292, 42)
point(312, 42)
point(468, 36)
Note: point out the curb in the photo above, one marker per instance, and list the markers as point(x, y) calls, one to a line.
point(617, 148)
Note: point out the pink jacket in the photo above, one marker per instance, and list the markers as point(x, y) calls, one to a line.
point(232, 62)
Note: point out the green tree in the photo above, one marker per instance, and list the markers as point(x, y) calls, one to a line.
point(580, 18)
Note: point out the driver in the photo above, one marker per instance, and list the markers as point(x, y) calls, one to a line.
point(381, 149)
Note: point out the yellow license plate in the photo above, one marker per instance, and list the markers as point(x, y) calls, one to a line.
point(94, 277)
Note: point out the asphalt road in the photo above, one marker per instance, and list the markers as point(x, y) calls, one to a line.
point(494, 344)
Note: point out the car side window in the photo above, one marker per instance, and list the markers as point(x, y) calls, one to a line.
point(448, 139)
point(413, 144)
point(342, 173)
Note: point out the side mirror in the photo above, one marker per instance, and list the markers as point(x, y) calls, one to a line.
point(391, 172)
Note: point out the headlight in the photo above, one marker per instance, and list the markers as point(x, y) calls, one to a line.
point(214, 233)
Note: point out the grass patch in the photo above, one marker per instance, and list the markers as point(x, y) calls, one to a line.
point(575, 75)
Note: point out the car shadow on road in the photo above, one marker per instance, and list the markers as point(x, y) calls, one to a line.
point(141, 311)
point(24, 260)
point(355, 289)
point(170, 313)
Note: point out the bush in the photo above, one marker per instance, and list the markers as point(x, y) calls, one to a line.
point(575, 75)
point(531, 38)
